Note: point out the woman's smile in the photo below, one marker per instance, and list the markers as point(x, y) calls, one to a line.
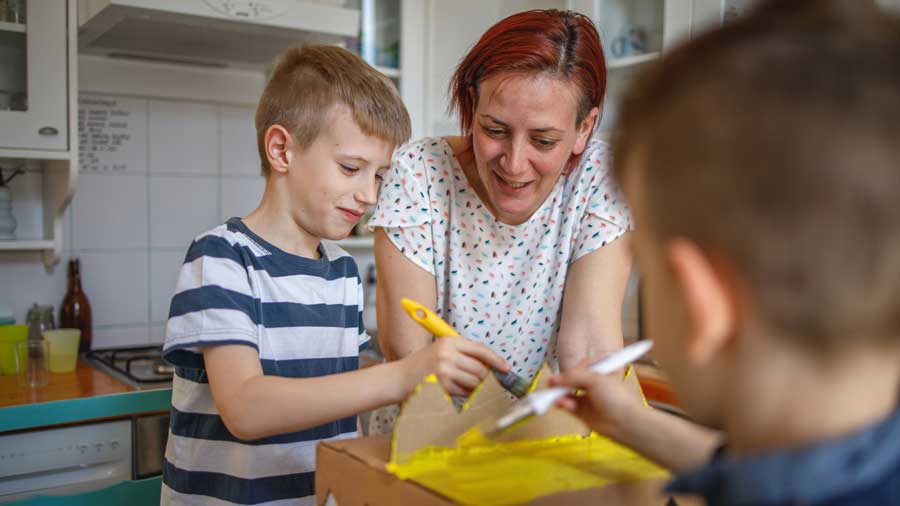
point(509, 186)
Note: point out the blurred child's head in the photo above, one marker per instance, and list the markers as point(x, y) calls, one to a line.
point(763, 164)
point(326, 125)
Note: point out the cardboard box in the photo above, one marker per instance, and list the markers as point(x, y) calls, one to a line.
point(354, 472)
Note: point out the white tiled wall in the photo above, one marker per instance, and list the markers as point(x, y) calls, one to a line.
point(184, 138)
point(181, 207)
point(190, 166)
point(110, 211)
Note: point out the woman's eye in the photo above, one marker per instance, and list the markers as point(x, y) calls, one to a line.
point(545, 143)
point(493, 132)
point(349, 168)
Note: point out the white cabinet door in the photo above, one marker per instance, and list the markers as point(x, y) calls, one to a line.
point(34, 79)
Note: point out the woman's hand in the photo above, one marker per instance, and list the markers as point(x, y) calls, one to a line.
point(604, 403)
point(459, 364)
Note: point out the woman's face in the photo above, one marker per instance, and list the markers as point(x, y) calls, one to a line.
point(523, 133)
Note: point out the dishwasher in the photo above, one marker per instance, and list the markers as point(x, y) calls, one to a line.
point(80, 458)
point(64, 460)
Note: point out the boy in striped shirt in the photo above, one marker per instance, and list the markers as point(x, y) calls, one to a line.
point(265, 326)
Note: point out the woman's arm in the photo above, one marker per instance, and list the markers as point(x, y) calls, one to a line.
point(398, 277)
point(591, 320)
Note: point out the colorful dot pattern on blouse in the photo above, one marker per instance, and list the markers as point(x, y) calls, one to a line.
point(499, 284)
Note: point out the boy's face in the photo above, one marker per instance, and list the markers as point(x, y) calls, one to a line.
point(335, 180)
point(667, 318)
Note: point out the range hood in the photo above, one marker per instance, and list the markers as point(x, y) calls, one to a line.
point(221, 33)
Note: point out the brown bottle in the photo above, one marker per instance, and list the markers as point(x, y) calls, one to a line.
point(75, 312)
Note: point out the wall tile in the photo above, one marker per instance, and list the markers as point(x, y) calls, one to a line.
point(120, 337)
point(240, 156)
point(112, 134)
point(110, 211)
point(25, 281)
point(157, 334)
point(180, 209)
point(183, 138)
point(241, 195)
point(118, 286)
point(164, 268)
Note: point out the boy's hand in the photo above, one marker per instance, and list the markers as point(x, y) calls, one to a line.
point(459, 364)
point(603, 403)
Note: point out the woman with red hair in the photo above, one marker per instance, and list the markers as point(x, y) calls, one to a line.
point(513, 231)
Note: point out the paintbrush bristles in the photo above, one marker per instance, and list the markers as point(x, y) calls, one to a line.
point(515, 384)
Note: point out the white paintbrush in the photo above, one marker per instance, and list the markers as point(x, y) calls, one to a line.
point(538, 403)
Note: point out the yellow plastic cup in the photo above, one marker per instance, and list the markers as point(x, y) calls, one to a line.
point(10, 335)
point(63, 348)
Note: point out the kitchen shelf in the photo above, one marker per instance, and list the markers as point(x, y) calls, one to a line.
point(12, 27)
point(35, 154)
point(27, 245)
point(357, 242)
point(630, 61)
point(48, 48)
point(59, 186)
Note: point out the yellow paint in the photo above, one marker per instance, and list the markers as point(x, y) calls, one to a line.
point(519, 471)
point(472, 437)
point(483, 472)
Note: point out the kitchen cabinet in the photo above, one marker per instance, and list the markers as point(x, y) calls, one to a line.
point(634, 33)
point(38, 122)
point(33, 80)
point(389, 40)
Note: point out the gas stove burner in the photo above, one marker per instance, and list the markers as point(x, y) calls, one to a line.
point(164, 368)
point(138, 367)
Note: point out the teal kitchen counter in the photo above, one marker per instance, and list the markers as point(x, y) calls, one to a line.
point(82, 395)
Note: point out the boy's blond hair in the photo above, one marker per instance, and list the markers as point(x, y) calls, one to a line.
point(792, 179)
point(307, 81)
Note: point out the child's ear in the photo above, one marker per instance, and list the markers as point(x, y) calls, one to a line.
point(709, 297)
point(584, 131)
point(278, 144)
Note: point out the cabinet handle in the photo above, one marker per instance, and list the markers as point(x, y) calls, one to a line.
point(48, 130)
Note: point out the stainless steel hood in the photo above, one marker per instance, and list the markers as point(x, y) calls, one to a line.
point(245, 34)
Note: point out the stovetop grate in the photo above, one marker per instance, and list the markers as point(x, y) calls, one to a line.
point(125, 361)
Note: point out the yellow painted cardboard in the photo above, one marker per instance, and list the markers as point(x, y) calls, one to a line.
point(556, 466)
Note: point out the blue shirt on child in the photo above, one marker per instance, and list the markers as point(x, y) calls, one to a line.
point(303, 316)
point(861, 469)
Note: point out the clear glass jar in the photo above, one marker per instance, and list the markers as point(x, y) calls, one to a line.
point(32, 363)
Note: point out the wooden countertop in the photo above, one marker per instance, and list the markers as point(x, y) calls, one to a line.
point(85, 381)
point(84, 394)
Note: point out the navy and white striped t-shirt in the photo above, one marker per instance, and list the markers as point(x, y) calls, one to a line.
point(304, 316)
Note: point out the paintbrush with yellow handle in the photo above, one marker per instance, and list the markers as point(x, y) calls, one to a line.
point(433, 323)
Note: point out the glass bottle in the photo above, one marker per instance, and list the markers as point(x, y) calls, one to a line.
point(39, 319)
point(75, 312)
